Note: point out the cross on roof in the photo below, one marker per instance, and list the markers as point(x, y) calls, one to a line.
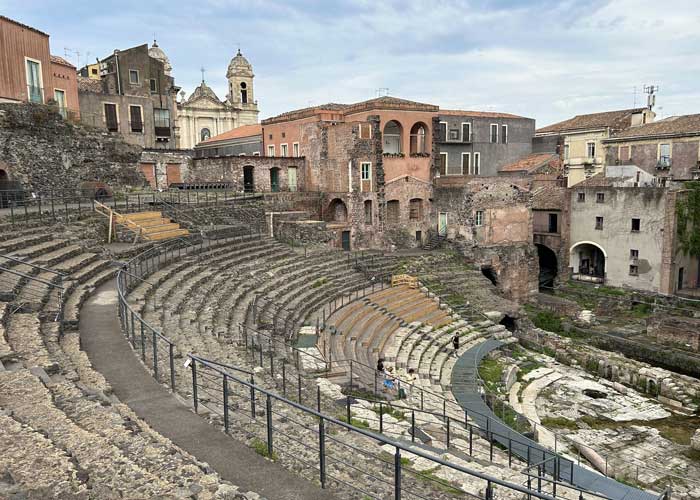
point(202, 70)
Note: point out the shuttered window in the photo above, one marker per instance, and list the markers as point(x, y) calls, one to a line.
point(111, 117)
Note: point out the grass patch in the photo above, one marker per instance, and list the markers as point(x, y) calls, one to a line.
point(527, 367)
point(360, 393)
point(559, 423)
point(355, 422)
point(260, 448)
point(319, 282)
point(676, 428)
point(388, 410)
point(491, 372)
point(429, 477)
point(640, 311)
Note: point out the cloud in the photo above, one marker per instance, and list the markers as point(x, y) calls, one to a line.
point(548, 59)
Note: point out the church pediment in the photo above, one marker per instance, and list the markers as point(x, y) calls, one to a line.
point(204, 102)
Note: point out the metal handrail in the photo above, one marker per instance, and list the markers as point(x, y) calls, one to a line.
point(41, 268)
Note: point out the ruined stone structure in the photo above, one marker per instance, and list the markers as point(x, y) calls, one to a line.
point(43, 152)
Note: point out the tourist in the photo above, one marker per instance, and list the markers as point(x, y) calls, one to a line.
point(388, 379)
point(455, 343)
point(411, 379)
point(380, 365)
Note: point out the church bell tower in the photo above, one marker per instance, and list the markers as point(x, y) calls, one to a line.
point(241, 93)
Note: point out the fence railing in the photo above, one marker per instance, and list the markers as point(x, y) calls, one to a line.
point(159, 354)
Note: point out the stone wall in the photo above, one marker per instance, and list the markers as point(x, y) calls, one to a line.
point(44, 152)
point(676, 330)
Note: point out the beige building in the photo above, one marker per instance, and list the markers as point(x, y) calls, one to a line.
point(582, 139)
point(203, 115)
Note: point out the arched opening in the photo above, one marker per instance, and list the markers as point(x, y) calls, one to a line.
point(337, 211)
point(244, 93)
point(204, 134)
point(490, 274)
point(588, 262)
point(548, 265)
point(249, 179)
point(509, 323)
point(419, 132)
point(3, 176)
point(392, 137)
point(368, 211)
point(275, 179)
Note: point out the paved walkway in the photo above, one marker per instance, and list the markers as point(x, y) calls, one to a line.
point(111, 355)
point(465, 387)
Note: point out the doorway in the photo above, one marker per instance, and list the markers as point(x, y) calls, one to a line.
point(442, 224)
point(681, 271)
point(275, 179)
point(249, 179)
point(345, 237)
point(419, 236)
point(292, 178)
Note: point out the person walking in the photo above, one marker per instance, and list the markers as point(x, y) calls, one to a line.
point(455, 344)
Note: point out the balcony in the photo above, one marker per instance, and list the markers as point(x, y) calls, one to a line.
point(585, 161)
point(664, 163)
point(544, 228)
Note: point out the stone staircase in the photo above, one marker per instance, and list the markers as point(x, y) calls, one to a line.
point(151, 226)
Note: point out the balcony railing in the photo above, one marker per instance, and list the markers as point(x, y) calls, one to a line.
point(664, 162)
point(35, 94)
point(544, 228)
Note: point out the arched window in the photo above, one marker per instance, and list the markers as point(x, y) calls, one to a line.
point(205, 134)
point(337, 211)
point(244, 93)
point(418, 134)
point(392, 137)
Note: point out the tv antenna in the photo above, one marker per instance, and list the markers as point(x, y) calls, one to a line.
point(650, 91)
point(382, 91)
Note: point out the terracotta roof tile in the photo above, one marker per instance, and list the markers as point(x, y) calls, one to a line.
point(236, 133)
point(532, 162)
point(617, 120)
point(673, 125)
point(477, 114)
point(60, 60)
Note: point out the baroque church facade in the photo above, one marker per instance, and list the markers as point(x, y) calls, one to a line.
point(203, 115)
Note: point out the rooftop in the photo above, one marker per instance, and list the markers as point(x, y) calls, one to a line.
point(61, 61)
point(533, 162)
point(23, 25)
point(236, 133)
point(478, 114)
point(673, 125)
point(617, 120)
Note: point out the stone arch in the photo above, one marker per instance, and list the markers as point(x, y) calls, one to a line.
point(490, 274)
point(549, 265)
point(337, 211)
point(204, 134)
point(419, 138)
point(588, 261)
point(3, 175)
point(392, 137)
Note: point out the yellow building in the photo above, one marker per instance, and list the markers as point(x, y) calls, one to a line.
point(582, 136)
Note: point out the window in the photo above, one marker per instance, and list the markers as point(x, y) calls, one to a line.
point(599, 223)
point(664, 155)
point(553, 223)
point(636, 224)
point(135, 119)
point(494, 132)
point(154, 85)
point(443, 131)
point(368, 211)
point(600, 197)
point(295, 149)
point(454, 134)
point(590, 149)
point(60, 97)
point(366, 171)
point(415, 209)
point(133, 76)
point(581, 197)
point(479, 218)
point(566, 151)
point(443, 163)
point(111, 119)
point(284, 134)
point(392, 211)
point(204, 134)
point(161, 118)
point(634, 270)
point(418, 142)
point(634, 254)
point(623, 153)
point(365, 130)
point(466, 163)
point(392, 137)
point(476, 164)
point(466, 132)
point(271, 150)
point(35, 92)
point(244, 93)
point(504, 134)
point(283, 150)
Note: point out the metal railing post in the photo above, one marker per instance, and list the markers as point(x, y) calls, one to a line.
point(347, 409)
point(194, 384)
point(155, 355)
point(252, 395)
point(171, 354)
point(143, 344)
point(397, 474)
point(268, 411)
point(225, 391)
point(381, 417)
point(448, 432)
point(322, 450)
point(413, 426)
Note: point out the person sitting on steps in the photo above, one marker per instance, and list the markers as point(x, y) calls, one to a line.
point(455, 344)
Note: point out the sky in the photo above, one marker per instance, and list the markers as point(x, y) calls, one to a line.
point(545, 59)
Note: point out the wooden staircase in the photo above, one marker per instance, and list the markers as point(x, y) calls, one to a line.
point(149, 226)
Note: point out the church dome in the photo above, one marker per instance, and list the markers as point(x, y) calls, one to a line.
point(157, 53)
point(202, 91)
point(239, 66)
